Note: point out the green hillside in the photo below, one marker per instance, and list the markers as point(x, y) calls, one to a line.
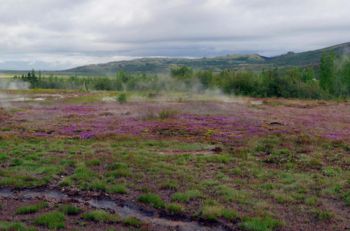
point(163, 65)
point(309, 57)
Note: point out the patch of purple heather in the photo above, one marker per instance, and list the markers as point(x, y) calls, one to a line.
point(218, 122)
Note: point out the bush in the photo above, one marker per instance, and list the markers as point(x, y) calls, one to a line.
point(122, 98)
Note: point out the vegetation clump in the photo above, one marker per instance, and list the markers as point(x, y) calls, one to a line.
point(122, 98)
point(152, 199)
point(31, 208)
point(260, 224)
point(70, 209)
point(100, 216)
point(51, 220)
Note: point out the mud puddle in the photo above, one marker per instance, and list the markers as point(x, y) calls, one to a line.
point(123, 210)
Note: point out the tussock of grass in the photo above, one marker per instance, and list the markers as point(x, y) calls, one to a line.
point(100, 216)
point(14, 226)
point(213, 212)
point(28, 209)
point(120, 189)
point(260, 224)
point(70, 209)
point(132, 221)
point(174, 208)
point(186, 196)
point(346, 198)
point(51, 220)
point(170, 185)
point(323, 215)
point(231, 194)
point(152, 199)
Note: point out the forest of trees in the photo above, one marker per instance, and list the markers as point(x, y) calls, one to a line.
point(330, 80)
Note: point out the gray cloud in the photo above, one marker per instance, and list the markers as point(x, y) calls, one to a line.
point(58, 34)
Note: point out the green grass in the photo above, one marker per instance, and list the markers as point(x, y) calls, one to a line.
point(152, 199)
point(323, 215)
point(260, 224)
point(213, 212)
point(174, 208)
point(51, 220)
point(119, 189)
point(230, 214)
point(100, 216)
point(132, 221)
point(14, 226)
point(170, 185)
point(186, 196)
point(70, 209)
point(28, 209)
point(346, 197)
point(122, 98)
point(178, 184)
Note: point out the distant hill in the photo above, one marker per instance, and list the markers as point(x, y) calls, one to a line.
point(252, 62)
point(163, 65)
point(308, 57)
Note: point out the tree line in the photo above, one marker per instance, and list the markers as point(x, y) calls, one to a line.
point(330, 80)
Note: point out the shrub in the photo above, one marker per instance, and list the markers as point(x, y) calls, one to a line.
point(122, 98)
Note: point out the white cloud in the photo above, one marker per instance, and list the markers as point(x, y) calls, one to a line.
point(64, 33)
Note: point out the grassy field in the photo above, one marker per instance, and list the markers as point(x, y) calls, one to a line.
point(234, 163)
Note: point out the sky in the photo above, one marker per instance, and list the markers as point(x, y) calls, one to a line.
point(61, 34)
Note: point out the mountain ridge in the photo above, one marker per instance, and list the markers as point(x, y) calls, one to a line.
point(159, 65)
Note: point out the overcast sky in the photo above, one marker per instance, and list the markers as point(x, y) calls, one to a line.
point(59, 34)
